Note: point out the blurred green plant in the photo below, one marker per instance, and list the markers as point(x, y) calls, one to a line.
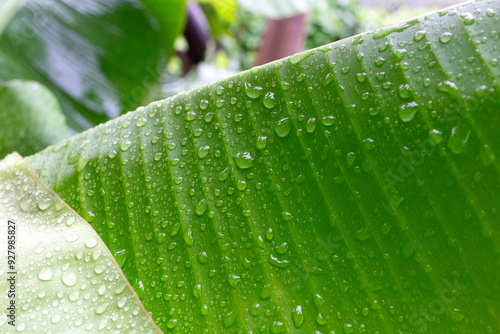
point(99, 58)
point(30, 117)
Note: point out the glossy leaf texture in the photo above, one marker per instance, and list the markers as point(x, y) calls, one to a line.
point(351, 188)
point(59, 277)
point(99, 57)
point(30, 117)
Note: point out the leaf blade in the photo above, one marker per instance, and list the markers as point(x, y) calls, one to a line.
point(320, 203)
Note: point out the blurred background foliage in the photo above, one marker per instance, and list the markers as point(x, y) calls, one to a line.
point(237, 26)
point(101, 59)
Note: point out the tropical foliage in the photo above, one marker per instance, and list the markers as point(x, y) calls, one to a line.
point(350, 188)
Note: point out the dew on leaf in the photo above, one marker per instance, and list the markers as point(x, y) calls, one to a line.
point(91, 242)
point(244, 160)
point(328, 120)
point(297, 317)
point(201, 207)
point(190, 116)
point(261, 142)
point(229, 320)
point(468, 19)
point(419, 35)
point(320, 320)
point(251, 91)
point(408, 111)
point(445, 37)
point(283, 127)
point(277, 263)
point(277, 327)
point(101, 308)
point(269, 100)
point(311, 125)
point(124, 146)
point(449, 88)
point(203, 151)
point(204, 104)
point(45, 274)
point(141, 122)
point(404, 91)
point(197, 291)
point(435, 137)
point(68, 278)
point(208, 116)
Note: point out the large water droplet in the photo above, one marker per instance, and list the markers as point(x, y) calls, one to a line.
point(202, 258)
point(468, 19)
point(297, 316)
point(265, 292)
point(320, 320)
point(445, 37)
point(188, 237)
point(74, 296)
point(44, 204)
point(404, 91)
point(197, 291)
point(101, 308)
point(328, 120)
point(269, 100)
point(229, 320)
point(56, 318)
point(121, 302)
point(458, 138)
point(277, 327)
point(204, 104)
point(141, 122)
point(277, 263)
point(124, 146)
point(68, 278)
point(419, 35)
point(45, 274)
point(190, 116)
point(203, 151)
point(261, 142)
point(284, 126)
point(234, 280)
point(407, 111)
point(435, 137)
point(449, 88)
point(91, 242)
point(201, 207)
point(251, 91)
point(244, 160)
point(311, 125)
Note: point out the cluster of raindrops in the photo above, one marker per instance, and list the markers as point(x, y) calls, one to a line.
point(69, 280)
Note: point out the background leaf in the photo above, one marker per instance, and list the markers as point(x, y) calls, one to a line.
point(7, 9)
point(351, 188)
point(171, 16)
point(30, 117)
point(66, 279)
point(99, 58)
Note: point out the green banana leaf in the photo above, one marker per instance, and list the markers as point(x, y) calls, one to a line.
point(352, 188)
point(30, 117)
point(100, 58)
point(60, 276)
